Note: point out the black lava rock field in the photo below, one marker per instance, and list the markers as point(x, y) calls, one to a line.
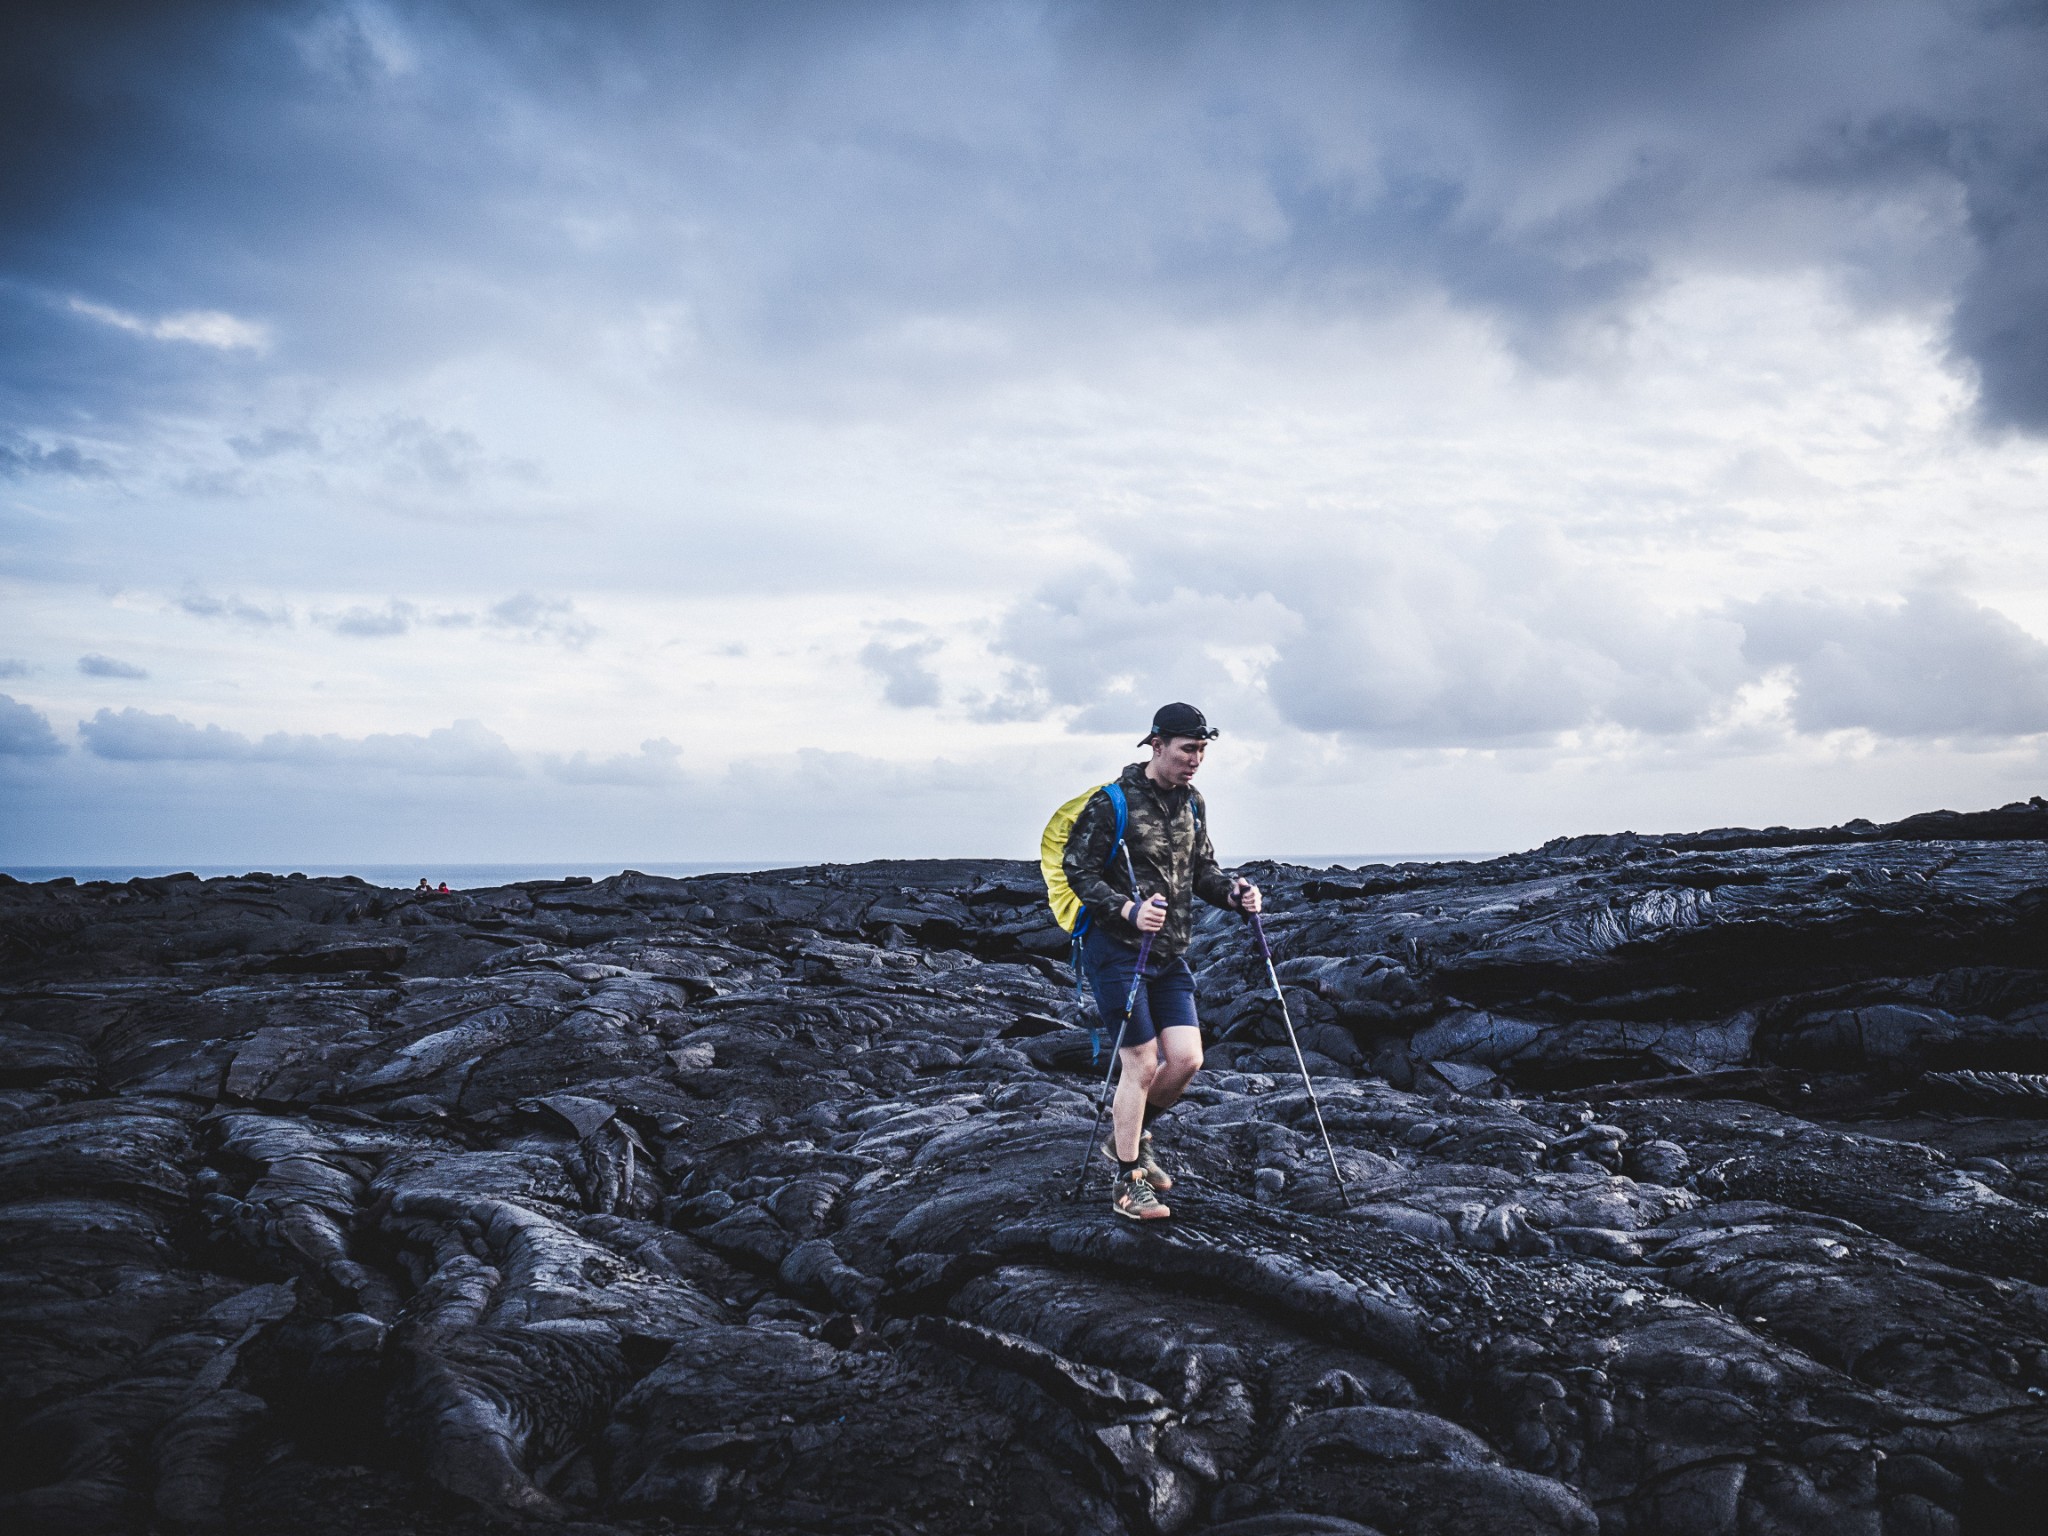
point(1695, 1186)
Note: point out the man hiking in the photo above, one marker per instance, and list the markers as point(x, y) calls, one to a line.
point(1166, 841)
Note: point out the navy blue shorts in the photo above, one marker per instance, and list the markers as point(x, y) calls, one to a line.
point(1166, 997)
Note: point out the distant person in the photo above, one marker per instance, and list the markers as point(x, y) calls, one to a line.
point(423, 886)
point(1166, 848)
point(443, 888)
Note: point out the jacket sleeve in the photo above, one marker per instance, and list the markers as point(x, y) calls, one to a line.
point(1088, 847)
point(1211, 884)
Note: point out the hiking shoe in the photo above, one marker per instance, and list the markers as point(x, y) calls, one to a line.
point(1134, 1198)
point(1148, 1165)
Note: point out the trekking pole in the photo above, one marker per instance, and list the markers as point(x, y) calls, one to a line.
point(1102, 1101)
point(1266, 954)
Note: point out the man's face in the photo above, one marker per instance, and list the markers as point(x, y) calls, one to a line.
point(1175, 760)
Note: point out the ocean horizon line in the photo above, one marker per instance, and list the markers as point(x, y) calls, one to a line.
point(476, 876)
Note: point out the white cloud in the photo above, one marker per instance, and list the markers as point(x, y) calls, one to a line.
point(1512, 643)
point(203, 605)
point(24, 732)
point(137, 736)
point(1935, 664)
point(1448, 642)
point(272, 442)
point(1099, 648)
point(94, 664)
point(1449, 412)
point(394, 618)
point(543, 618)
point(65, 460)
point(523, 616)
point(204, 327)
point(445, 458)
point(657, 762)
point(907, 682)
point(463, 749)
point(351, 41)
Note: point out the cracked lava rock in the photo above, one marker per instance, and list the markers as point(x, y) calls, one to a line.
point(1697, 1186)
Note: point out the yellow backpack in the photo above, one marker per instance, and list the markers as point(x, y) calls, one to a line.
point(1067, 910)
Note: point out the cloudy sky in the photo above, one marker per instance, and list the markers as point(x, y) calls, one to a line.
point(657, 432)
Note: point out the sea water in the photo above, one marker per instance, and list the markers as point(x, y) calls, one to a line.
point(462, 877)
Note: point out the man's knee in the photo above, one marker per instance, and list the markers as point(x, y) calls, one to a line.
point(1183, 1061)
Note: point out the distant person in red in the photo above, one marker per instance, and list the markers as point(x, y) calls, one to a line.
point(444, 887)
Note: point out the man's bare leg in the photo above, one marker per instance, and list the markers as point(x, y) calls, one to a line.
point(1139, 1071)
point(1182, 1060)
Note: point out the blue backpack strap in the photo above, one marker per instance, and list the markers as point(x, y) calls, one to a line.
point(1081, 995)
point(1115, 791)
point(1122, 807)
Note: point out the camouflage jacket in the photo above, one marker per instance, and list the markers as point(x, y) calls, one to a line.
point(1168, 840)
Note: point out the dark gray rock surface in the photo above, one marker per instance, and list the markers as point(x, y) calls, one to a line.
point(1698, 1186)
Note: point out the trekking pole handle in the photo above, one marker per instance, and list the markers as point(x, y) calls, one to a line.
point(1259, 932)
point(1138, 904)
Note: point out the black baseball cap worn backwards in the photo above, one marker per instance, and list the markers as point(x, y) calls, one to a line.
point(1180, 720)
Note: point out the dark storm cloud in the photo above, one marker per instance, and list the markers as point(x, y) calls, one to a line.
point(2001, 319)
point(374, 188)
